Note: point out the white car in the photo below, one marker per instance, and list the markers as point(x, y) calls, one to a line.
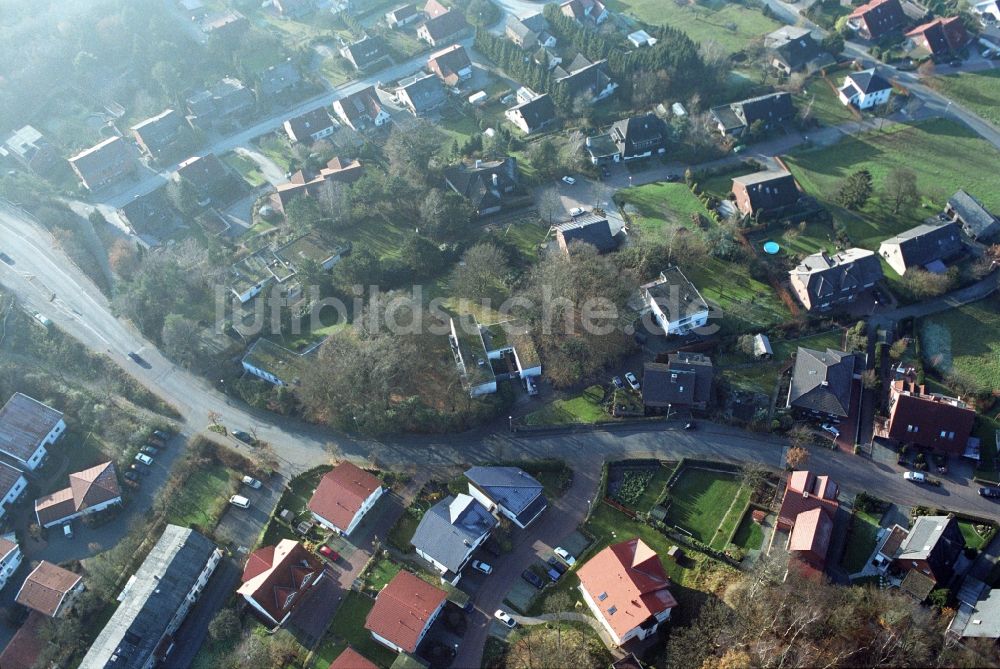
point(564, 554)
point(143, 458)
point(240, 501)
point(916, 477)
point(505, 618)
point(482, 567)
point(576, 211)
point(252, 482)
point(569, 180)
point(633, 382)
point(828, 427)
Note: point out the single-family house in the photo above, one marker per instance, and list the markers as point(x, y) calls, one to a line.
point(533, 115)
point(212, 180)
point(361, 110)
point(926, 246)
point(434, 8)
point(343, 497)
point(89, 491)
point(155, 603)
point(451, 65)
point(585, 10)
point(157, 134)
point(931, 547)
point(877, 18)
point(402, 15)
point(586, 228)
point(227, 24)
point(30, 148)
point(273, 363)
point(366, 52)
point(675, 303)
point(864, 89)
point(684, 382)
point(310, 127)
point(12, 486)
point(277, 81)
point(292, 8)
point(547, 58)
point(633, 137)
point(404, 611)
point(976, 220)
point(794, 49)
point(627, 589)
point(450, 532)
point(977, 617)
point(27, 428)
point(529, 32)
point(104, 163)
point(465, 339)
point(822, 383)
point(490, 185)
point(308, 184)
point(352, 659)
point(216, 107)
point(988, 11)
point(443, 28)
point(508, 491)
point(26, 646)
point(761, 193)
point(939, 37)
point(765, 112)
point(926, 420)
point(420, 93)
point(822, 281)
point(276, 579)
point(585, 78)
point(151, 215)
point(50, 590)
point(10, 557)
point(808, 509)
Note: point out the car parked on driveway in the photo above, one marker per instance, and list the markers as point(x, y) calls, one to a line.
point(992, 493)
point(552, 574)
point(617, 380)
point(149, 450)
point(240, 501)
point(828, 427)
point(557, 565)
point(633, 382)
point(505, 618)
point(144, 459)
point(329, 553)
point(482, 567)
point(569, 180)
point(533, 578)
point(916, 477)
point(160, 434)
point(250, 481)
point(565, 556)
point(131, 475)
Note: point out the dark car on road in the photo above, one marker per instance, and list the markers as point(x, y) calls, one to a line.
point(533, 578)
point(245, 437)
point(992, 493)
point(139, 360)
point(6, 259)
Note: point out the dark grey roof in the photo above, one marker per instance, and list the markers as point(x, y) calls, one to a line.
point(538, 112)
point(674, 292)
point(277, 79)
point(822, 381)
point(24, 423)
point(925, 243)
point(662, 386)
point(477, 183)
point(424, 92)
point(727, 118)
point(925, 534)
point(769, 189)
point(793, 46)
point(828, 278)
point(869, 81)
point(589, 229)
point(366, 51)
point(158, 132)
point(977, 221)
point(582, 76)
point(638, 134)
point(535, 22)
point(768, 109)
point(159, 588)
point(307, 124)
point(445, 25)
point(450, 528)
point(510, 487)
point(701, 366)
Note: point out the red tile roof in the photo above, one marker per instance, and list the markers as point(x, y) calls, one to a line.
point(274, 573)
point(628, 583)
point(805, 491)
point(403, 609)
point(86, 489)
point(811, 535)
point(341, 492)
point(46, 587)
point(24, 648)
point(352, 659)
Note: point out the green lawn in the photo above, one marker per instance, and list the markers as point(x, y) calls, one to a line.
point(730, 25)
point(826, 106)
point(946, 345)
point(746, 303)
point(700, 501)
point(380, 573)
point(783, 350)
point(205, 492)
point(979, 92)
point(348, 627)
point(860, 541)
point(972, 538)
point(526, 235)
point(661, 206)
point(655, 488)
point(246, 168)
point(749, 536)
point(732, 519)
point(943, 154)
point(585, 408)
point(761, 376)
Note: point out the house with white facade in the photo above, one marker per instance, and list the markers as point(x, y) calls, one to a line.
point(404, 611)
point(508, 491)
point(89, 491)
point(450, 532)
point(675, 303)
point(27, 427)
point(276, 578)
point(864, 89)
point(343, 497)
point(10, 558)
point(12, 485)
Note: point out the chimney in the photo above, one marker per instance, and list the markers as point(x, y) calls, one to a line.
point(805, 494)
point(478, 163)
point(825, 383)
point(496, 180)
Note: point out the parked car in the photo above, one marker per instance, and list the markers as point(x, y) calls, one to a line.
point(139, 360)
point(827, 427)
point(569, 180)
point(329, 553)
point(160, 434)
point(144, 471)
point(552, 574)
point(916, 477)
point(250, 481)
point(672, 178)
point(992, 493)
point(240, 501)
point(565, 555)
point(482, 567)
point(149, 450)
point(557, 565)
point(690, 426)
point(144, 459)
point(68, 531)
point(533, 578)
point(617, 380)
point(633, 382)
point(505, 618)
point(245, 437)
point(576, 211)
point(132, 475)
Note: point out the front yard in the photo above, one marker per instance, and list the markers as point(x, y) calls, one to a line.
point(587, 407)
point(861, 538)
point(204, 498)
point(760, 376)
point(348, 627)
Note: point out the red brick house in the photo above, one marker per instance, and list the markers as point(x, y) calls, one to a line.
point(876, 19)
point(927, 420)
point(940, 36)
point(276, 577)
point(807, 513)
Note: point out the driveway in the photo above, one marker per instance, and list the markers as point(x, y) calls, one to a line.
point(193, 630)
point(241, 527)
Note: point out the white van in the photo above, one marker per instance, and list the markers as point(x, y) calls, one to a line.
point(240, 501)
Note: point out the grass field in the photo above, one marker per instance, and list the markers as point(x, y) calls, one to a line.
point(860, 541)
point(700, 500)
point(761, 376)
point(979, 92)
point(944, 155)
point(826, 106)
point(749, 536)
point(946, 346)
point(380, 573)
point(246, 169)
point(348, 627)
point(200, 503)
point(661, 206)
point(972, 538)
point(585, 408)
point(654, 489)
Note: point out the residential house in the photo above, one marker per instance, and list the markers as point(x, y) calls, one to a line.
point(471, 357)
point(451, 65)
point(627, 589)
point(277, 578)
point(443, 28)
point(343, 497)
point(585, 10)
point(27, 644)
point(529, 32)
point(988, 12)
point(509, 344)
point(292, 8)
point(30, 148)
point(273, 363)
point(104, 163)
point(10, 557)
point(508, 491)
point(765, 112)
point(766, 192)
point(352, 659)
point(151, 215)
point(977, 618)
point(864, 89)
point(634, 137)
point(404, 611)
point(12, 486)
point(309, 184)
point(158, 597)
point(976, 220)
point(310, 127)
point(90, 491)
point(533, 115)
point(228, 24)
point(675, 303)
point(794, 49)
point(489, 185)
point(926, 246)
point(50, 590)
point(546, 58)
point(586, 228)
point(823, 281)
point(931, 547)
point(402, 15)
point(450, 532)
point(212, 180)
point(585, 78)
point(877, 19)
point(361, 110)
point(434, 9)
point(420, 93)
point(269, 266)
point(278, 81)
point(938, 37)
point(685, 382)
point(641, 38)
point(808, 509)
point(366, 52)
point(823, 383)
point(221, 105)
point(926, 420)
point(27, 428)
point(156, 135)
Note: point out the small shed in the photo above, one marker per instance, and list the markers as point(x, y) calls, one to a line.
point(477, 98)
point(762, 347)
point(675, 553)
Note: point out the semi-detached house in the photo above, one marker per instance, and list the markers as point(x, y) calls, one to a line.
point(27, 427)
point(343, 497)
